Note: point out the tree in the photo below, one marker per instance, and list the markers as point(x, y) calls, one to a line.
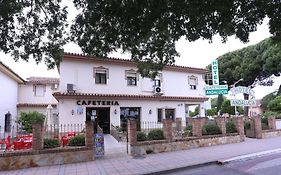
point(226, 108)
point(211, 112)
point(34, 29)
point(196, 112)
point(275, 104)
point(28, 118)
point(146, 29)
point(266, 99)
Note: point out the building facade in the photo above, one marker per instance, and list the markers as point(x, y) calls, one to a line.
point(110, 91)
point(36, 94)
point(9, 96)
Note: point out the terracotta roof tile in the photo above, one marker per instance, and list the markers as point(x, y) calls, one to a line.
point(44, 80)
point(59, 95)
point(131, 62)
point(34, 105)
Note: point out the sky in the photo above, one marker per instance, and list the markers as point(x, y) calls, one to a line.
point(192, 54)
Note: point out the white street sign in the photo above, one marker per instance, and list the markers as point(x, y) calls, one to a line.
point(216, 87)
point(236, 102)
point(215, 72)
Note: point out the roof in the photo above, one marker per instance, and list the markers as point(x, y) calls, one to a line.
point(34, 105)
point(43, 80)
point(120, 61)
point(68, 95)
point(9, 72)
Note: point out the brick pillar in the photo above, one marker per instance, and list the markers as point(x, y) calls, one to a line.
point(89, 138)
point(197, 124)
point(189, 120)
point(257, 127)
point(179, 124)
point(220, 121)
point(239, 124)
point(132, 132)
point(272, 122)
point(37, 136)
point(167, 128)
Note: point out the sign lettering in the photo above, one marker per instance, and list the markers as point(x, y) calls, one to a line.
point(215, 72)
point(243, 102)
point(97, 102)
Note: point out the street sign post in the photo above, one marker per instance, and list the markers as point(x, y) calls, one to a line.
point(216, 90)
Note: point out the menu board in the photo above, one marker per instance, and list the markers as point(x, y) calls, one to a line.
point(99, 145)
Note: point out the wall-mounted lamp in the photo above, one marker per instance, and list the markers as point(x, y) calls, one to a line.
point(72, 112)
point(115, 111)
point(150, 111)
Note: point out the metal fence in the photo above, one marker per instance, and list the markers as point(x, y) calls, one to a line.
point(57, 131)
point(147, 126)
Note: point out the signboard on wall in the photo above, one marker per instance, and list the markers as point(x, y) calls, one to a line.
point(99, 145)
point(215, 72)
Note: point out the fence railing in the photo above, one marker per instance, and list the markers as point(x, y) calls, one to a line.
point(57, 131)
point(147, 126)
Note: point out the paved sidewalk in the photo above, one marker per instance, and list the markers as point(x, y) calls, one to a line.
point(155, 162)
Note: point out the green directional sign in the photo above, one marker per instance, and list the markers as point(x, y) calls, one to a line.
point(216, 91)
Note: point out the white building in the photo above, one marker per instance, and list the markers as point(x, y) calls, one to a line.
point(8, 95)
point(110, 90)
point(36, 95)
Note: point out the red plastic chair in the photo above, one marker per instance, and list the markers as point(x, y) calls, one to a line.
point(8, 144)
point(64, 140)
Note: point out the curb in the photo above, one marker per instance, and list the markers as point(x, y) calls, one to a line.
point(248, 156)
point(181, 168)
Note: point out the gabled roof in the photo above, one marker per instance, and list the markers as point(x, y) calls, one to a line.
point(67, 95)
point(10, 73)
point(119, 61)
point(43, 80)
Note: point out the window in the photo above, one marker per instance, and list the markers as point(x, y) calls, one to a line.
point(100, 75)
point(127, 113)
point(39, 90)
point(170, 114)
point(160, 115)
point(131, 77)
point(192, 81)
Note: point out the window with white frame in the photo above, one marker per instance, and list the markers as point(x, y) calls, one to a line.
point(193, 82)
point(101, 75)
point(39, 90)
point(132, 77)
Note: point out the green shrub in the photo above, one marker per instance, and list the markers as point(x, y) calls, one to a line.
point(188, 130)
point(264, 126)
point(141, 136)
point(264, 120)
point(28, 118)
point(271, 113)
point(78, 140)
point(155, 134)
point(211, 129)
point(51, 143)
point(230, 127)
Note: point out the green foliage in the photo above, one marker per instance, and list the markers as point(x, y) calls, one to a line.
point(264, 123)
point(271, 113)
point(28, 118)
point(196, 112)
point(211, 112)
point(266, 99)
point(51, 143)
point(226, 108)
point(155, 134)
point(188, 130)
point(141, 136)
point(78, 140)
point(230, 127)
point(211, 129)
point(274, 105)
point(219, 102)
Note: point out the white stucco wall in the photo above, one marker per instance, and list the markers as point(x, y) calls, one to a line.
point(67, 105)
point(26, 95)
point(81, 74)
point(8, 98)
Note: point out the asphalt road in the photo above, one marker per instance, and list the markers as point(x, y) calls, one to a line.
point(265, 165)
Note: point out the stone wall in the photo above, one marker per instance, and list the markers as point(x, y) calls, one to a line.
point(142, 148)
point(271, 133)
point(45, 157)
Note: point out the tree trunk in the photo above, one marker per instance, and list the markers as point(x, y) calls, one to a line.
point(279, 91)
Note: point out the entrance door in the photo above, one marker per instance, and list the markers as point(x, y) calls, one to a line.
point(102, 117)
